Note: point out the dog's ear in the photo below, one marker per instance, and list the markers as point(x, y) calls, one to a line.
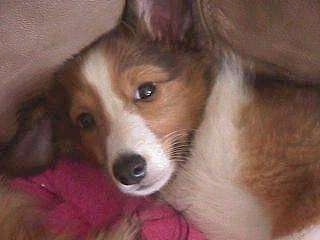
point(168, 21)
point(31, 148)
point(45, 131)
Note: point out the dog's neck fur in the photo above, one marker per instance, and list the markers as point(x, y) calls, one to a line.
point(223, 187)
point(206, 187)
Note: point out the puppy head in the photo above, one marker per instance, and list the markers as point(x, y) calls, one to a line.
point(134, 105)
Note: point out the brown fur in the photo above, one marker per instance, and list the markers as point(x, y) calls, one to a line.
point(280, 141)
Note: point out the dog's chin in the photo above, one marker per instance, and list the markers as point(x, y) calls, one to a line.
point(146, 187)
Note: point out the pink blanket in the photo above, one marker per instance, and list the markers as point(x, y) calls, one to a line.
point(79, 199)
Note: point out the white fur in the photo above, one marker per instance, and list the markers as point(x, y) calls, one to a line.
point(95, 69)
point(206, 188)
point(129, 133)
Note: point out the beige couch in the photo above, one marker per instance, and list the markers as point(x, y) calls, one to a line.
point(36, 36)
point(283, 33)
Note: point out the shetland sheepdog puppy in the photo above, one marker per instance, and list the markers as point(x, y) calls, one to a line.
point(246, 169)
point(127, 103)
point(254, 170)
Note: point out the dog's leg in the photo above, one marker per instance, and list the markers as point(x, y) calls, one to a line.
point(20, 218)
point(206, 187)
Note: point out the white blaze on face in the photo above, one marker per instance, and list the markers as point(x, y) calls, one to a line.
point(130, 134)
point(128, 131)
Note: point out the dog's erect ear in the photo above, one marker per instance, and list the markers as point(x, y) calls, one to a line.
point(31, 149)
point(165, 20)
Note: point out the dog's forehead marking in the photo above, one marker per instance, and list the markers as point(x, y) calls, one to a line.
point(96, 70)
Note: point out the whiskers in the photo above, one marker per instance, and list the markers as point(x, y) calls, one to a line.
point(178, 144)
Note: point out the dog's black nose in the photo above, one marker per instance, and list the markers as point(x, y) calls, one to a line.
point(129, 169)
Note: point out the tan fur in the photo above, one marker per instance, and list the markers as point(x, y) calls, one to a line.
point(281, 139)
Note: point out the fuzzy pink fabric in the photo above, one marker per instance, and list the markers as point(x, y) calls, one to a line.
point(80, 199)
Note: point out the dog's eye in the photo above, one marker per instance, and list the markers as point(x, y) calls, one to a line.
point(145, 92)
point(86, 121)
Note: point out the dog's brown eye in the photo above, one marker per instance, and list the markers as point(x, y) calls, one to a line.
point(145, 92)
point(86, 121)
